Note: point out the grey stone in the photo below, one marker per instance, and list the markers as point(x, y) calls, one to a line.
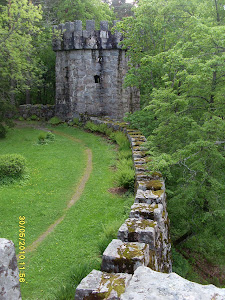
point(146, 211)
point(124, 257)
point(139, 230)
point(9, 274)
point(101, 285)
point(147, 284)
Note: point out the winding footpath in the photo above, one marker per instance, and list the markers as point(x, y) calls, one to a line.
point(78, 192)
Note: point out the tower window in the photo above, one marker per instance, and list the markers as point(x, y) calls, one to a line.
point(97, 79)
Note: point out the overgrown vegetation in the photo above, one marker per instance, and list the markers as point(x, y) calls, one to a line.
point(178, 47)
point(125, 174)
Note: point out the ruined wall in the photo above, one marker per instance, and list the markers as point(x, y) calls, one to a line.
point(90, 71)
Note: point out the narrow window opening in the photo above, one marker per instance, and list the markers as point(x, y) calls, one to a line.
point(97, 79)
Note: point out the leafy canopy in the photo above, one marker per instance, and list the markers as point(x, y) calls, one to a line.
point(177, 59)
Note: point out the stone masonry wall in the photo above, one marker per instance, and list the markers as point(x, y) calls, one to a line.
point(43, 112)
point(90, 71)
point(143, 239)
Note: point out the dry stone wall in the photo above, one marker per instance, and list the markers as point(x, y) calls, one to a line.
point(143, 239)
point(90, 71)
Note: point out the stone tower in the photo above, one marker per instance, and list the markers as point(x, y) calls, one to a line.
point(90, 71)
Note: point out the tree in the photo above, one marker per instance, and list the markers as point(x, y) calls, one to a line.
point(18, 28)
point(122, 9)
point(177, 58)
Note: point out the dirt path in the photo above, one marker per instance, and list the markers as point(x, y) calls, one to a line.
point(79, 190)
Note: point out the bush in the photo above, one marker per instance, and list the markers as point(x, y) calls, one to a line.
point(2, 131)
point(42, 138)
point(91, 126)
point(50, 137)
point(34, 118)
point(12, 165)
point(125, 177)
point(127, 154)
point(121, 139)
point(55, 121)
point(21, 119)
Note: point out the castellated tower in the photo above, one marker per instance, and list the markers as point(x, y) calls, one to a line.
point(90, 71)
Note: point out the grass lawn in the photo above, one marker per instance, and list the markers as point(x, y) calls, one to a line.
point(77, 240)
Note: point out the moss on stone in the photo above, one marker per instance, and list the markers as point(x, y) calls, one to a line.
point(158, 192)
point(154, 185)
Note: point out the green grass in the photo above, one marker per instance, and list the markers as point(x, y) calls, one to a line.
point(42, 198)
point(78, 240)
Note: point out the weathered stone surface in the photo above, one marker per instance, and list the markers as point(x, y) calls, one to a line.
point(121, 257)
point(147, 284)
point(139, 230)
point(90, 71)
point(9, 274)
point(101, 285)
point(45, 112)
point(146, 211)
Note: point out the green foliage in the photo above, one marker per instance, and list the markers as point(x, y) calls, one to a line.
point(77, 273)
point(75, 122)
point(2, 131)
point(50, 136)
point(42, 138)
point(34, 118)
point(91, 126)
point(66, 10)
point(180, 264)
point(120, 138)
point(19, 27)
point(143, 120)
point(125, 176)
point(45, 138)
point(55, 121)
point(179, 50)
point(12, 165)
point(125, 154)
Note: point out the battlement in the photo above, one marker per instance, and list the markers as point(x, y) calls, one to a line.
point(73, 37)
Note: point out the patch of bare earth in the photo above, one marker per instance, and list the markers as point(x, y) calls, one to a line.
point(118, 190)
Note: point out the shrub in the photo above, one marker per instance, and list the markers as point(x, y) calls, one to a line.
point(125, 177)
point(12, 165)
point(102, 128)
point(21, 119)
point(121, 139)
point(34, 118)
point(2, 131)
point(127, 154)
point(55, 121)
point(42, 138)
point(91, 126)
point(50, 136)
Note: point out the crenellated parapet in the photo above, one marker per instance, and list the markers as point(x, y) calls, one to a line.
point(73, 37)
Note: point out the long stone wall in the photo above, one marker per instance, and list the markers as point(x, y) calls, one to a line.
point(143, 239)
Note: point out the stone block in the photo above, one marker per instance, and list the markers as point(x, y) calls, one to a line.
point(139, 230)
point(148, 284)
point(90, 25)
point(146, 211)
point(122, 257)
point(104, 25)
point(149, 197)
point(9, 274)
point(101, 285)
